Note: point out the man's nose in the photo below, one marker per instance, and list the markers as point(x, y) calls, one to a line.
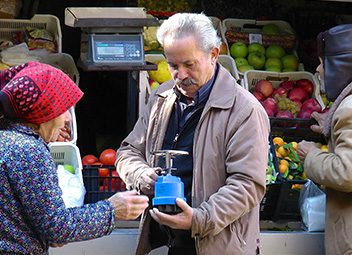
point(182, 73)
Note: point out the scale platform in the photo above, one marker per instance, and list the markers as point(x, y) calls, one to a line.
point(111, 38)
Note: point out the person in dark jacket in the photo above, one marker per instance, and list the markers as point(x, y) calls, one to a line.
point(333, 169)
point(34, 103)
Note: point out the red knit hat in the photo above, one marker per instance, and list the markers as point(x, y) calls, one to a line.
point(37, 92)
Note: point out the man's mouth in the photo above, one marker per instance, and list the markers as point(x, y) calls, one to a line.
point(186, 82)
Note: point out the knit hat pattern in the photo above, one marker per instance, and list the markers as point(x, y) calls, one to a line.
point(40, 92)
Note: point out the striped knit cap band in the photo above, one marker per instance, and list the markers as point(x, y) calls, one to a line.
point(38, 92)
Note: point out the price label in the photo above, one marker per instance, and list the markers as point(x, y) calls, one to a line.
point(255, 38)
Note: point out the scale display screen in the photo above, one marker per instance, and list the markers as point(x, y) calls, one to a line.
point(117, 48)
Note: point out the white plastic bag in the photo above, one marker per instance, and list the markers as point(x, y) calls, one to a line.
point(73, 190)
point(312, 206)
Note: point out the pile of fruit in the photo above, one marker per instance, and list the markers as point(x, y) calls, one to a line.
point(109, 179)
point(291, 99)
point(289, 165)
point(255, 56)
point(162, 74)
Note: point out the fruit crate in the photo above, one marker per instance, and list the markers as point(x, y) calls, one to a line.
point(100, 188)
point(249, 30)
point(8, 27)
point(229, 64)
point(281, 201)
point(253, 76)
point(67, 153)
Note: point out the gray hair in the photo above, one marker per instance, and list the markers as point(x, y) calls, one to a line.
point(182, 25)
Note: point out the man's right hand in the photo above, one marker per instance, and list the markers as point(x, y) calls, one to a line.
point(147, 180)
point(128, 205)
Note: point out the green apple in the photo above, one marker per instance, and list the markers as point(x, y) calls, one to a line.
point(69, 168)
point(273, 69)
point(238, 50)
point(290, 61)
point(244, 68)
point(275, 51)
point(288, 70)
point(270, 29)
point(253, 47)
point(275, 62)
point(241, 61)
point(256, 59)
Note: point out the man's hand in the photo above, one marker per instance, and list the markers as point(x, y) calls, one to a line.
point(128, 205)
point(147, 180)
point(320, 118)
point(303, 148)
point(181, 220)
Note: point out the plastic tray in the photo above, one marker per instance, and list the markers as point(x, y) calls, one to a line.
point(67, 153)
point(49, 22)
point(230, 65)
point(99, 188)
point(251, 77)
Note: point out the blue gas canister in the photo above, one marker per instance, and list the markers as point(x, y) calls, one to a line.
point(167, 186)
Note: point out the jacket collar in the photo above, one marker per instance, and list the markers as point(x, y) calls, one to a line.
point(221, 95)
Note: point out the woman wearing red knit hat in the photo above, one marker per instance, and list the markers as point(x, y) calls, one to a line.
point(34, 103)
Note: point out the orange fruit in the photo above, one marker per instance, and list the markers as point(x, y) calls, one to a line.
point(284, 162)
point(283, 152)
point(294, 145)
point(278, 141)
point(283, 168)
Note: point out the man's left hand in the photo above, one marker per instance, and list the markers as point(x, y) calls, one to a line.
point(181, 220)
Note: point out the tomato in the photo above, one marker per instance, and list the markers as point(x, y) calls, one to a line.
point(103, 172)
point(89, 159)
point(114, 181)
point(108, 157)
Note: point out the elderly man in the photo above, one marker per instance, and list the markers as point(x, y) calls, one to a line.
point(203, 111)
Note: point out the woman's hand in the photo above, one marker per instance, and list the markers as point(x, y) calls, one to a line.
point(128, 205)
point(303, 148)
point(320, 118)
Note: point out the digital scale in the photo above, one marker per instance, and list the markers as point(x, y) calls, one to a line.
point(111, 37)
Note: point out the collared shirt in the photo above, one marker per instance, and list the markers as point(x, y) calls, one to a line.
point(32, 212)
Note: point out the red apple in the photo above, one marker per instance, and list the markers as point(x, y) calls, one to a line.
point(258, 95)
point(284, 114)
point(307, 85)
point(265, 87)
point(288, 85)
point(270, 106)
point(312, 105)
point(298, 94)
point(280, 91)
